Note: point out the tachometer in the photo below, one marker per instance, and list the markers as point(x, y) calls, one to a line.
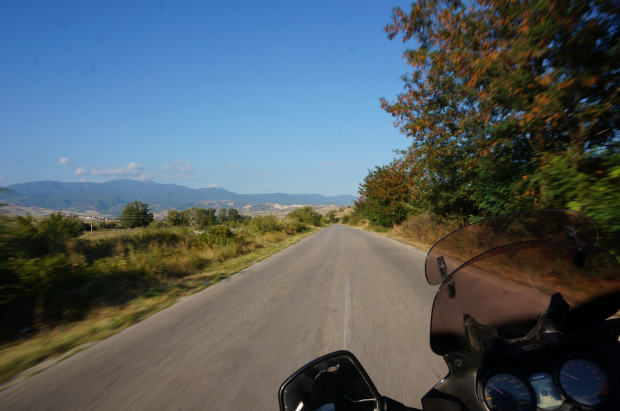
point(547, 398)
point(584, 382)
point(506, 392)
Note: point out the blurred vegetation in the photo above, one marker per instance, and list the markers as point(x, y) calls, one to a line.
point(136, 214)
point(201, 218)
point(51, 274)
point(510, 106)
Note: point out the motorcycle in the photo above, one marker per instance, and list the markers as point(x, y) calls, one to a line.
point(524, 317)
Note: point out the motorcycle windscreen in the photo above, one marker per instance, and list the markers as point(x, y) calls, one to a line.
point(513, 284)
point(470, 241)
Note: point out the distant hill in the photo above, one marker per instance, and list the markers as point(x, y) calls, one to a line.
point(110, 197)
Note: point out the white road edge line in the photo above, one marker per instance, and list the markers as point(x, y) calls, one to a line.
point(347, 314)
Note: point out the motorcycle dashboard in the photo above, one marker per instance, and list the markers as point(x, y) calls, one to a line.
point(574, 380)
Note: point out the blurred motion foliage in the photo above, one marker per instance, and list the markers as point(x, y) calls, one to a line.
point(510, 105)
point(49, 274)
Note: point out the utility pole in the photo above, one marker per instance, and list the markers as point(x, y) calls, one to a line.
point(91, 224)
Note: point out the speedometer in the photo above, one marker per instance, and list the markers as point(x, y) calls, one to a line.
point(507, 392)
point(584, 382)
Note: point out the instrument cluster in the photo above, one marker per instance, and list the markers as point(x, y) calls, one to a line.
point(576, 382)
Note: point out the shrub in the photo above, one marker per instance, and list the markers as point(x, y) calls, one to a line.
point(306, 215)
point(158, 224)
point(428, 228)
point(43, 281)
point(216, 235)
point(292, 226)
point(48, 236)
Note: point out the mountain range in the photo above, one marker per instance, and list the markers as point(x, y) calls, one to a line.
point(111, 196)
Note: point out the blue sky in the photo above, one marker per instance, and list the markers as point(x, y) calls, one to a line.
point(251, 96)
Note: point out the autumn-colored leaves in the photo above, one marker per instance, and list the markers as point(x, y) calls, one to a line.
point(497, 90)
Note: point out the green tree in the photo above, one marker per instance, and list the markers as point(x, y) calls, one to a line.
point(174, 218)
point(233, 214)
point(222, 216)
point(136, 214)
point(497, 89)
point(384, 194)
point(205, 217)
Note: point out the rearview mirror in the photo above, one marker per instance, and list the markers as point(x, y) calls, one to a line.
point(334, 382)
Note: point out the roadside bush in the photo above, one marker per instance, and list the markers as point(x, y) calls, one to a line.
point(44, 286)
point(428, 228)
point(292, 226)
point(220, 235)
point(306, 215)
point(48, 236)
point(264, 224)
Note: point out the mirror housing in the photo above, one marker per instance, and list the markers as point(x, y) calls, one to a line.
point(332, 382)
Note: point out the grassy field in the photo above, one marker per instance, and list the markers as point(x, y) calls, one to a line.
point(104, 321)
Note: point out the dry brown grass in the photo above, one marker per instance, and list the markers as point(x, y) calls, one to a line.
point(421, 231)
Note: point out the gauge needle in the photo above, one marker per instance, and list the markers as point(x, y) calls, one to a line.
point(496, 389)
point(568, 375)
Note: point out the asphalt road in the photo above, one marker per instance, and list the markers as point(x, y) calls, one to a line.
point(230, 346)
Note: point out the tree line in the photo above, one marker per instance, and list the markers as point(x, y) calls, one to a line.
point(138, 214)
point(200, 218)
point(509, 105)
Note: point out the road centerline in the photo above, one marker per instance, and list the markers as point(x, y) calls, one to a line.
point(347, 314)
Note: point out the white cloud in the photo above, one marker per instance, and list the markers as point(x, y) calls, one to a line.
point(130, 170)
point(178, 169)
point(1, 178)
point(328, 164)
point(64, 161)
point(267, 188)
point(215, 185)
point(233, 165)
point(82, 170)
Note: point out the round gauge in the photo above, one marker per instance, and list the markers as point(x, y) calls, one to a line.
point(547, 398)
point(584, 382)
point(506, 392)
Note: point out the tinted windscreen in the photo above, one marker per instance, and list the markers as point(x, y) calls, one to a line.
point(462, 245)
point(514, 283)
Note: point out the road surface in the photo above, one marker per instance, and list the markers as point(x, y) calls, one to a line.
point(230, 346)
